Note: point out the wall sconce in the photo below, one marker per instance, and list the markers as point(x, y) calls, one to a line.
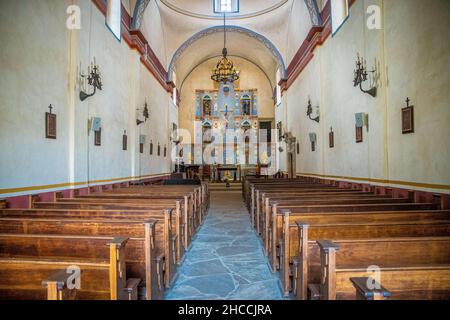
point(145, 114)
point(176, 140)
point(310, 111)
point(93, 79)
point(361, 74)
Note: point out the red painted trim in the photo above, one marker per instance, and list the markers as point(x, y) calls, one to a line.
point(24, 202)
point(417, 196)
point(315, 37)
point(137, 41)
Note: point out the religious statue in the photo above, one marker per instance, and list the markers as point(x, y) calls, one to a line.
point(207, 106)
point(246, 103)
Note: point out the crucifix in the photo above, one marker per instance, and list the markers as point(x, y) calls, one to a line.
point(50, 107)
point(407, 102)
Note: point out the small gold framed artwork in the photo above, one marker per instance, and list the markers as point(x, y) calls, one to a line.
point(50, 125)
point(408, 118)
point(124, 142)
point(98, 137)
point(331, 138)
point(359, 134)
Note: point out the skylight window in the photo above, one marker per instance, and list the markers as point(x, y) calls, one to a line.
point(339, 14)
point(226, 6)
point(114, 17)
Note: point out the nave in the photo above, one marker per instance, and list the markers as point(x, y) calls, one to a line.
point(127, 142)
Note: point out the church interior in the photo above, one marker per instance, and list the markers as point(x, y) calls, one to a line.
point(225, 150)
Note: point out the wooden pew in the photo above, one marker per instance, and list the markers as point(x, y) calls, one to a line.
point(267, 196)
point(198, 194)
point(263, 215)
point(28, 260)
point(412, 268)
point(257, 191)
point(203, 195)
point(180, 229)
point(304, 254)
point(153, 250)
point(277, 222)
point(185, 213)
point(375, 292)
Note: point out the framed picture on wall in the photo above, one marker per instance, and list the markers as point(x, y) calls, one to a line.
point(50, 125)
point(151, 148)
point(359, 134)
point(98, 137)
point(408, 120)
point(124, 142)
point(159, 150)
point(141, 147)
point(331, 138)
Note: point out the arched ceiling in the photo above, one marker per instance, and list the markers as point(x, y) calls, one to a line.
point(265, 45)
point(240, 42)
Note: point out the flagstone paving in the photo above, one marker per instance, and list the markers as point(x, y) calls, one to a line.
point(226, 259)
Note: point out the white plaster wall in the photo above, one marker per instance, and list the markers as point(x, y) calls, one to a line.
point(33, 76)
point(40, 64)
point(418, 51)
point(298, 28)
point(154, 31)
point(413, 59)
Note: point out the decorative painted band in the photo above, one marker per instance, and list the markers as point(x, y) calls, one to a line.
point(72, 185)
point(381, 181)
point(26, 200)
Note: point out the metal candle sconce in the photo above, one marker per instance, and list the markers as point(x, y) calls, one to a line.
point(361, 75)
point(93, 79)
point(310, 111)
point(145, 114)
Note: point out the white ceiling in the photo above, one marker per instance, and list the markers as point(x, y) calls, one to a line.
point(182, 19)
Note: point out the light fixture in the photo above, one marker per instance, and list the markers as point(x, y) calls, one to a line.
point(145, 114)
point(310, 111)
point(225, 71)
point(93, 79)
point(361, 74)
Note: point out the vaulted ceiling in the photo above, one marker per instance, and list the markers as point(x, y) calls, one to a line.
point(192, 33)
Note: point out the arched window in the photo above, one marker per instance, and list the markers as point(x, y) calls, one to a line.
point(339, 14)
point(114, 17)
point(226, 6)
point(278, 97)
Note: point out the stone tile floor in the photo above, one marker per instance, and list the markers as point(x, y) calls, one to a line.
point(226, 259)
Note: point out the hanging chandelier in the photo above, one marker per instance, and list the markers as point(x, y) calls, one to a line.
point(225, 70)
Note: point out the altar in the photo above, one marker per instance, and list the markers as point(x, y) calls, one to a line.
point(230, 172)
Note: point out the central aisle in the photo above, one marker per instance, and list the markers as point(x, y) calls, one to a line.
point(226, 259)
